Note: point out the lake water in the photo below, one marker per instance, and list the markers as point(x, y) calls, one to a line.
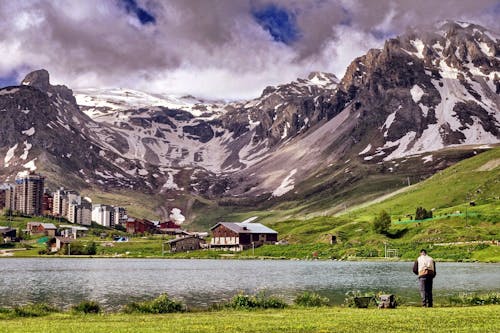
point(114, 282)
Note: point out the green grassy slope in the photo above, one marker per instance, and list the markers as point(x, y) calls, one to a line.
point(449, 191)
point(475, 179)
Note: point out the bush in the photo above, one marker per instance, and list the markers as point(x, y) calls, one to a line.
point(475, 299)
point(311, 299)
point(34, 310)
point(382, 222)
point(87, 307)
point(422, 214)
point(356, 299)
point(161, 304)
point(259, 301)
point(79, 248)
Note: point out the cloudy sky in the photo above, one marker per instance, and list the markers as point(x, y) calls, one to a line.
point(227, 49)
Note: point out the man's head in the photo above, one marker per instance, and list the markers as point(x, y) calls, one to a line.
point(423, 252)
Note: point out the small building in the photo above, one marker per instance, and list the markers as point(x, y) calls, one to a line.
point(169, 227)
point(73, 231)
point(139, 226)
point(57, 243)
point(187, 243)
point(7, 235)
point(241, 236)
point(38, 228)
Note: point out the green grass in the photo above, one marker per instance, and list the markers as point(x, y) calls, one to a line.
point(337, 319)
point(448, 191)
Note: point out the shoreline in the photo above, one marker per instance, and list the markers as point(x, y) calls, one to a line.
point(242, 258)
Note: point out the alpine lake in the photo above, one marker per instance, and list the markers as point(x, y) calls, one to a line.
point(200, 283)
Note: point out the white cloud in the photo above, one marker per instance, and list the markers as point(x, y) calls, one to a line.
point(205, 48)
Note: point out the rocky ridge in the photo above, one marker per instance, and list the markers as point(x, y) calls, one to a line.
point(420, 93)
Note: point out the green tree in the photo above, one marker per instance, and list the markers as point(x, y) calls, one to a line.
point(382, 222)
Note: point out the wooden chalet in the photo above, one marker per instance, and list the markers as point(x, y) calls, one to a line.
point(187, 243)
point(7, 234)
point(241, 236)
point(170, 228)
point(37, 228)
point(139, 226)
point(57, 243)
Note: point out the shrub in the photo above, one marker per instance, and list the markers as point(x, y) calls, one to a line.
point(259, 301)
point(311, 299)
point(475, 299)
point(422, 214)
point(356, 299)
point(34, 310)
point(161, 304)
point(87, 307)
point(382, 222)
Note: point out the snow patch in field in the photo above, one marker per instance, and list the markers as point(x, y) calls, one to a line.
point(286, 185)
point(9, 155)
point(416, 93)
point(29, 132)
point(366, 150)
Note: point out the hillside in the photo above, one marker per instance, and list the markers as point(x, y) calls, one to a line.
point(448, 192)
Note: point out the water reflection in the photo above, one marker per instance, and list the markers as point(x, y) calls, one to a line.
point(114, 282)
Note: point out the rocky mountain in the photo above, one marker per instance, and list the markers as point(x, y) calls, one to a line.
point(420, 93)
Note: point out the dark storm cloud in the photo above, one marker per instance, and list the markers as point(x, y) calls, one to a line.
point(219, 48)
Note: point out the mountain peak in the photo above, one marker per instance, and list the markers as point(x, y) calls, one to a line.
point(38, 79)
point(323, 78)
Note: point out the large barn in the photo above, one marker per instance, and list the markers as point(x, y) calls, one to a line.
point(241, 236)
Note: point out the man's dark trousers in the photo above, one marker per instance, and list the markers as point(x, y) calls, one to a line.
point(425, 286)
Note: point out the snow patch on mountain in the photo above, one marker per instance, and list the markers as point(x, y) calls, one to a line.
point(30, 165)
point(29, 132)
point(27, 147)
point(97, 102)
point(9, 155)
point(416, 93)
point(286, 185)
point(366, 150)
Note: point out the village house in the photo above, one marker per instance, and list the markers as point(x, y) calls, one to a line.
point(187, 243)
point(73, 231)
point(7, 234)
point(138, 226)
point(37, 228)
point(241, 236)
point(57, 243)
point(169, 228)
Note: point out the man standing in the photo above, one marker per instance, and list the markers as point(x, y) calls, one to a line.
point(425, 268)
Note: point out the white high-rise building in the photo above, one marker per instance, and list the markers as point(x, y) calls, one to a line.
point(103, 215)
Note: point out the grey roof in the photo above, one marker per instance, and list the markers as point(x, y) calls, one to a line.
point(48, 226)
point(175, 240)
point(246, 228)
point(78, 228)
point(5, 229)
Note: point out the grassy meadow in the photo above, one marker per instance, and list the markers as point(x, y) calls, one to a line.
point(323, 319)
